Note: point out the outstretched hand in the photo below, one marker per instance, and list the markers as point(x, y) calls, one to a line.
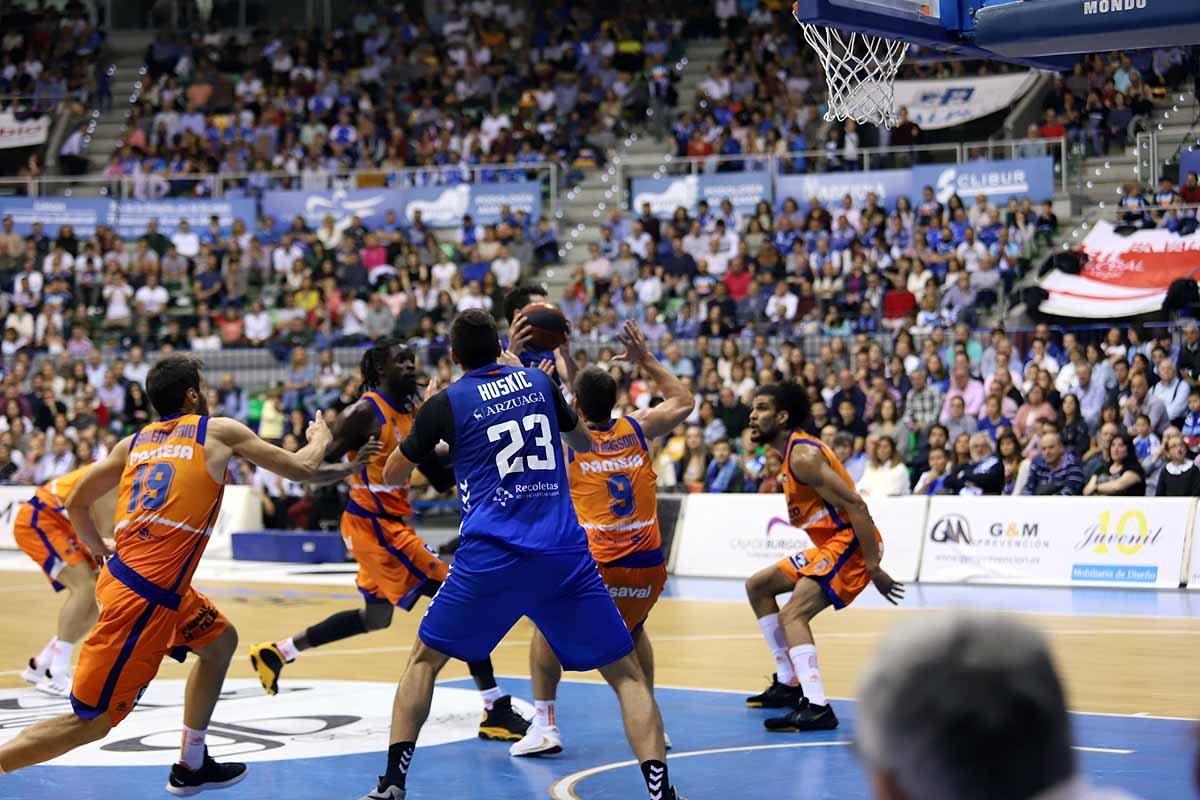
point(519, 334)
point(891, 589)
point(367, 453)
point(636, 350)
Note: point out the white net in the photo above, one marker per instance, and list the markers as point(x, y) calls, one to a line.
point(860, 69)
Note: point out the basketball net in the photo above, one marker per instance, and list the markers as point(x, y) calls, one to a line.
point(860, 69)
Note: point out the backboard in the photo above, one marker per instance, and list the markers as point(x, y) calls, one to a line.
point(1037, 33)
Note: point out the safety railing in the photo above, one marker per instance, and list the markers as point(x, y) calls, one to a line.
point(860, 159)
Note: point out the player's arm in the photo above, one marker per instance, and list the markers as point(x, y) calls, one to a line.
point(433, 424)
point(353, 429)
point(677, 401)
point(574, 430)
point(298, 466)
point(809, 466)
point(100, 480)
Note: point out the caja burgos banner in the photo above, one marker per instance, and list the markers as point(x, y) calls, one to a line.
point(1056, 541)
point(734, 536)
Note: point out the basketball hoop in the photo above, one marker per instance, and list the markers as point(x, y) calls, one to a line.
point(860, 69)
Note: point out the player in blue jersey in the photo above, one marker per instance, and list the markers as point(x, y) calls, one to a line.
point(523, 551)
point(514, 301)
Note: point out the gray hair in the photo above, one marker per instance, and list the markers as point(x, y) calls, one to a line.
point(966, 705)
point(984, 438)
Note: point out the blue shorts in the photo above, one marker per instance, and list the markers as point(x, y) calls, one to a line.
point(490, 587)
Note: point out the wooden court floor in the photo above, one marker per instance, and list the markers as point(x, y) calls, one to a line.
point(1111, 664)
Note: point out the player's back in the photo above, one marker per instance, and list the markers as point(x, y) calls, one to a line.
point(508, 460)
point(368, 490)
point(167, 504)
point(613, 488)
point(806, 508)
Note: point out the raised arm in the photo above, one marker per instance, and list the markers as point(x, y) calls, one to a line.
point(95, 485)
point(298, 466)
point(677, 401)
point(808, 465)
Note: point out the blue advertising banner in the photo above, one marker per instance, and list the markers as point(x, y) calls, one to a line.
point(831, 187)
point(997, 180)
point(370, 205)
point(83, 214)
point(129, 217)
point(445, 206)
point(1189, 161)
point(744, 190)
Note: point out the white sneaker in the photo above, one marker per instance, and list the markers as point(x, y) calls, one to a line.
point(31, 674)
point(538, 742)
point(667, 740)
point(56, 685)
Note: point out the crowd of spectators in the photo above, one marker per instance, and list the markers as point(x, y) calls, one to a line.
point(1042, 413)
point(480, 84)
point(49, 57)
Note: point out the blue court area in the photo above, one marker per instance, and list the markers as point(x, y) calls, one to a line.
point(321, 741)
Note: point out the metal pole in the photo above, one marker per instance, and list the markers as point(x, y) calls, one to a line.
point(553, 189)
point(1062, 148)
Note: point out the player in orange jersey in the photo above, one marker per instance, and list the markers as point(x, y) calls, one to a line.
point(613, 489)
point(170, 476)
point(395, 567)
point(43, 531)
point(822, 500)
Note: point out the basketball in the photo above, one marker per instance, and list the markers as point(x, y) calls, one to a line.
point(547, 324)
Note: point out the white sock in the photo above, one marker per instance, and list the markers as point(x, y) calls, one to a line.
point(191, 750)
point(60, 659)
point(543, 714)
point(42, 659)
point(490, 696)
point(804, 661)
point(288, 648)
point(773, 633)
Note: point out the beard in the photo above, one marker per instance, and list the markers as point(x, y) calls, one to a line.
point(761, 436)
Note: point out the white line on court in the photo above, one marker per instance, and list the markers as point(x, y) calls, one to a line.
point(564, 788)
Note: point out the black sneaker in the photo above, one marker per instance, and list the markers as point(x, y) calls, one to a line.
point(211, 775)
point(777, 695)
point(502, 723)
point(807, 717)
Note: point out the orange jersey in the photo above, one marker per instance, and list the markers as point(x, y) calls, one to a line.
point(54, 494)
point(367, 487)
point(613, 488)
point(166, 506)
point(807, 509)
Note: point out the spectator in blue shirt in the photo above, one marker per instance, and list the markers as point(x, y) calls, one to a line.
point(724, 474)
point(1054, 470)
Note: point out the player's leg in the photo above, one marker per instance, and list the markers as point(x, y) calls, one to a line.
point(761, 589)
point(75, 618)
point(808, 599)
point(268, 658)
point(35, 544)
point(543, 737)
point(584, 602)
point(410, 709)
point(207, 633)
point(49, 739)
point(475, 607)
point(500, 721)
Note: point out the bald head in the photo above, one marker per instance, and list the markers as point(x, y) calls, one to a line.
point(966, 705)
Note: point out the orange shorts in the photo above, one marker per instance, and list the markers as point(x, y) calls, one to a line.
point(47, 537)
point(837, 565)
point(394, 564)
point(123, 652)
point(634, 588)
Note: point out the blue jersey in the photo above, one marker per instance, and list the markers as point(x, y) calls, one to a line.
point(503, 425)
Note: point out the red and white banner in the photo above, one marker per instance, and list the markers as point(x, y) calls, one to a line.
point(1124, 275)
point(23, 133)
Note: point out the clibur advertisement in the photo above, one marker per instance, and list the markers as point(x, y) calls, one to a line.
point(1056, 541)
point(997, 180)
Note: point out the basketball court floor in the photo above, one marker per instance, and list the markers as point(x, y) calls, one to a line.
point(1128, 657)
